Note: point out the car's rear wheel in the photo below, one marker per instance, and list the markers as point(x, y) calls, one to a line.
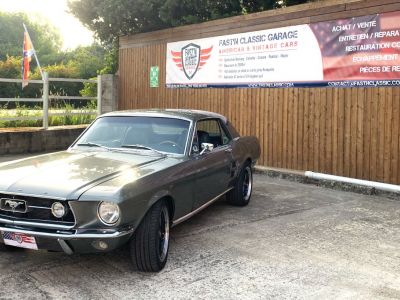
point(150, 243)
point(241, 194)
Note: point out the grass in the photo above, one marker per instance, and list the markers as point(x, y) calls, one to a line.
point(26, 111)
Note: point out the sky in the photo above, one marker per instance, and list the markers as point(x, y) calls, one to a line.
point(72, 31)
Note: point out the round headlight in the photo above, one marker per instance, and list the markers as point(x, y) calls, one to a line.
point(109, 213)
point(58, 210)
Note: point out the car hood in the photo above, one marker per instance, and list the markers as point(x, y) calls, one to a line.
point(69, 173)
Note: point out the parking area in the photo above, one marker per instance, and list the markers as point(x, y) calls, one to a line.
point(292, 241)
point(10, 157)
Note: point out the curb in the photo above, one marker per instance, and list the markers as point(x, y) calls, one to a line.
point(298, 176)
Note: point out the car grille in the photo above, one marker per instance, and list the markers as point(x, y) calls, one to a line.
point(34, 209)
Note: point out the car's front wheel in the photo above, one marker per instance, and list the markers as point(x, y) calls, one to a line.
point(150, 243)
point(241, 194)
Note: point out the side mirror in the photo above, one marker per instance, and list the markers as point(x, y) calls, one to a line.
point(206, 147)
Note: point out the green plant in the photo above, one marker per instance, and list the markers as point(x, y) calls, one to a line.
point(72, 116)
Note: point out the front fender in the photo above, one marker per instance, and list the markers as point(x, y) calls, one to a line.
point(157, 196)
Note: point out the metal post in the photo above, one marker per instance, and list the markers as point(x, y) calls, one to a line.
point(45, 100)
point(99, 92)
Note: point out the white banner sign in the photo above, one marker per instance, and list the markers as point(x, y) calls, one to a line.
point(277, 55)
point(362, 51)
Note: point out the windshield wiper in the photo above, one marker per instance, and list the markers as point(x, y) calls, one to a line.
point(89, 144)
point(138, 146)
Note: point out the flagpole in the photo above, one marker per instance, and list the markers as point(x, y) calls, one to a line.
point(34, 51)
point(22, 63)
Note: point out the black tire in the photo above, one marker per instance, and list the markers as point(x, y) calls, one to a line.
point(150, 244)
point(241, 194)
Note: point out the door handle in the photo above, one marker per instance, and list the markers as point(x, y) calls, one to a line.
point(229, 150)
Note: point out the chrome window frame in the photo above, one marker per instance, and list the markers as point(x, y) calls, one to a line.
point(191, 122)
point(219, 120)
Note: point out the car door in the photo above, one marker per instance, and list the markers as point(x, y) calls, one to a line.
point(213, 168)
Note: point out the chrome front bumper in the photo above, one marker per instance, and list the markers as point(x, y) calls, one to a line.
point(61, 230)
point(70, 236)
point(70, 240)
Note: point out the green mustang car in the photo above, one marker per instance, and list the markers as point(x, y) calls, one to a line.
point(127, 179)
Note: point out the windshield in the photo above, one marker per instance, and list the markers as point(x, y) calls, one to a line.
point(144, 133)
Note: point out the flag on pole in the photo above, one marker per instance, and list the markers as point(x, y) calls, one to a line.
point(28, 52)
point(27, 57)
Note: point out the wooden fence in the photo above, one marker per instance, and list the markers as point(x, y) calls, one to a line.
point(351, 132)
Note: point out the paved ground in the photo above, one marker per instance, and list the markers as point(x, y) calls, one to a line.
point(5, 158)
point(293, 241)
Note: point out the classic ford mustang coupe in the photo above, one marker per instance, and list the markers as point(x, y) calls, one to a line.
point(127, 179)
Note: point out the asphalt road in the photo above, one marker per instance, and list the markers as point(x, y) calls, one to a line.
point(293, 241)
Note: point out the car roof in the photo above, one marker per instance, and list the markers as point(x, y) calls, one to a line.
point(187, 114)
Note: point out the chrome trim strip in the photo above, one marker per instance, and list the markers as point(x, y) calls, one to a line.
point(149, 114)
point(195, 132)
point(69, 236)
point(36, 224)
point(189, 153)
point(33, 195)
point(73, 213)
point(191, 122)
point(185, 152)
point(6, 221)
point(184, 218)
point(39, 207)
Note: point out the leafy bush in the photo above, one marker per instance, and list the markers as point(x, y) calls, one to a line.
point(36, 111)
point(89, 89)
point(11, 68)
point(82, 62)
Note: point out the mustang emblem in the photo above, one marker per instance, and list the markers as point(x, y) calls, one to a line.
point(13, 205)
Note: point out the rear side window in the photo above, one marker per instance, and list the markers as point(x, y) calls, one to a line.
point(232, 130)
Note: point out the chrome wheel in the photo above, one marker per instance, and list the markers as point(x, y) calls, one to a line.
point(163, 233)
point(247, 183)
point(241, 194)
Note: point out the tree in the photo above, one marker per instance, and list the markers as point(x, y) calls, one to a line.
point(82, 62)
point(88, 60)
point(110, 19)
point(45, 38)
point(176, 13)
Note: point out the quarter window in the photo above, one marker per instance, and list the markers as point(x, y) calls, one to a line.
point(225, 136)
